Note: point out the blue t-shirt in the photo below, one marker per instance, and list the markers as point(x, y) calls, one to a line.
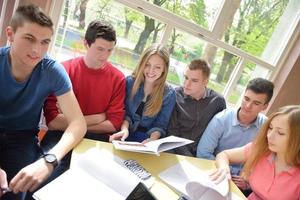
point(21, 102)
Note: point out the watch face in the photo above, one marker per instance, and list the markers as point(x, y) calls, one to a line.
point(50, 158)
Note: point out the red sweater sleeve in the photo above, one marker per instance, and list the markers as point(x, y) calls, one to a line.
point(116, 111)
point(50, 108)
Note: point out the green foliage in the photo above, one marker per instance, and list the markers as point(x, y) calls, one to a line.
point(197, 13)
point(256, 23)
point(173, 78)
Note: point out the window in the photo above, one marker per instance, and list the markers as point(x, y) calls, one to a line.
point(240, 39)
point(132, 37)
point(253, 25)
point(200, 12)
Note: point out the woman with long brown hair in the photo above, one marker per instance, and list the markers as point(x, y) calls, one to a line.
point(272, 160)
point(149, 100)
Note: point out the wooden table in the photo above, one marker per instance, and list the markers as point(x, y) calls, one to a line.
point(154, 164)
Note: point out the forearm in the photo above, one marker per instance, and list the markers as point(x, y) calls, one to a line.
point(61, 123)
point(58, 123)
point(71, 137)
point(125, 125)
point(102, 128)
point(76, 128)
point(94, 119)
point(206, 148)
point(222, 161)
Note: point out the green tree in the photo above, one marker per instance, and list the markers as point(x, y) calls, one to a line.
point(178, 8)
point(130, 17)
point(197, 12)
point(224, 20)
point(257, 21)
point(148, 29)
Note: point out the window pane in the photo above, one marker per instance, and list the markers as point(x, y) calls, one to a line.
point(201, 12)
point(250, 72)
point(134, 30)
point(185, 47)
point(253, 25)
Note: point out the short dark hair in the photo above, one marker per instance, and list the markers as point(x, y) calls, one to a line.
point(100, 29)
point(261, 86)
point(200, 64)
point(30, 13)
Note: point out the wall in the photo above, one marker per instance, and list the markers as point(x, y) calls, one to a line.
point(287, 82)
point(44, 4)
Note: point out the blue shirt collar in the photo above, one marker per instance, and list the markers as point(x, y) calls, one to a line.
point(236, 122)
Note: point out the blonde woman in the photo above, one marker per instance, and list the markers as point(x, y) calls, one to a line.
point(149, 100)
point(272, 161)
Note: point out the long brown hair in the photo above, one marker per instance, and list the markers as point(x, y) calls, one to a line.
point(260, 144)
point(154, 104)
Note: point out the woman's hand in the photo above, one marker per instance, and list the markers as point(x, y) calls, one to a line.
point(147, 140)
point(220, 174)
point(154, 136)
point(123, 134)
point(240, 182)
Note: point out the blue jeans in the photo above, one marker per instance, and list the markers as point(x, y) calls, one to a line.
point(17, 150)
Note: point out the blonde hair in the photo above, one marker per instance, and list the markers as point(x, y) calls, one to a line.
point(260, 144)
point(154, 104)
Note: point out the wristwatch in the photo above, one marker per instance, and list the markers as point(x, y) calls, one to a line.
point(51, 158)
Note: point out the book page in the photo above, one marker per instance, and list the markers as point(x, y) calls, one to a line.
point(154, 147)
point(101, 165)
point(179, 175)
point(167, 143)
point(132, 146)
point(197, 191)
point(96, 175)
point(76, 184)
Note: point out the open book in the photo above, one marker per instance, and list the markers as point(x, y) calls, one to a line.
point(153, 147)
point(97, 174)
point(194, 183)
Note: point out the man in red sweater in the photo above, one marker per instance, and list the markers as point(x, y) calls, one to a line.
point(99, 88)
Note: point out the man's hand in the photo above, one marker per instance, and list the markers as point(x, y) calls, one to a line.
point(240, 182)
point(31, 176)
point(123, 134)
point(3, 182)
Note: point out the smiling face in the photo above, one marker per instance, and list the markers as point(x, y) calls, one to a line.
point(278, 134)
point(98, 52)
point(29, 44)
point(154, 68)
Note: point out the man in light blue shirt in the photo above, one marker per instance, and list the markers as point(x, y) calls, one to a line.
point(235, 128)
